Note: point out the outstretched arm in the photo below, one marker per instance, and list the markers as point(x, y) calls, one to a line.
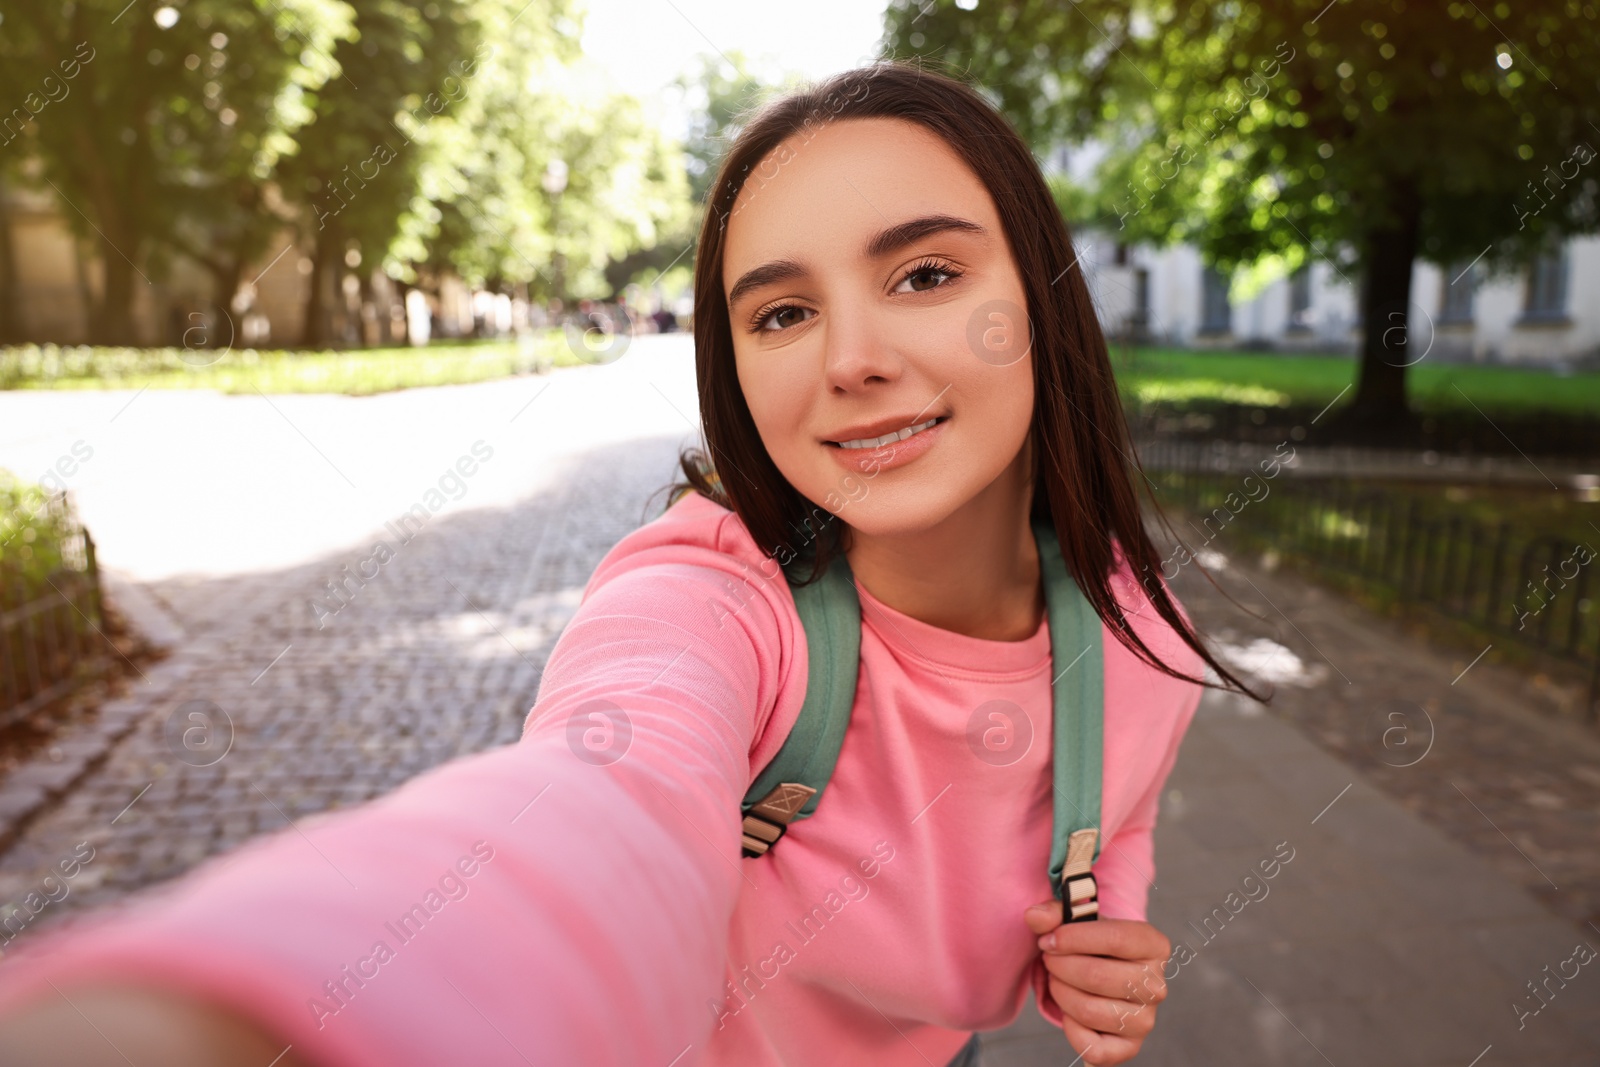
point(109, 1026)
point(564, 899)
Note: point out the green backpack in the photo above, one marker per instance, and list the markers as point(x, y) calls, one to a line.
point(791, 786)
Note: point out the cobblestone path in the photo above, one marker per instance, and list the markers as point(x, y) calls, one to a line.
point(285, 701)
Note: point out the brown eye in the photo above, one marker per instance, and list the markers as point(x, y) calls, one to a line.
point(933, 275)
point(768, 318)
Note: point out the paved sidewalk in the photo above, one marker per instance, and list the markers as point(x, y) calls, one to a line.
point(1380, 942)
point(1409, 924)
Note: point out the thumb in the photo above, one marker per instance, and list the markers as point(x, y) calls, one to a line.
point(1044, 916)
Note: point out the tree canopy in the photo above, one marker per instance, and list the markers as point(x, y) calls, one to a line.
point(412, 138)
point(144, 121)
point(1362, 134)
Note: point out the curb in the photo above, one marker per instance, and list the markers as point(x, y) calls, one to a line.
point(143, 610)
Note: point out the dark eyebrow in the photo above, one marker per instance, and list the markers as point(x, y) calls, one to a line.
point(901, 234)
point(777, 271)
point(885, 241)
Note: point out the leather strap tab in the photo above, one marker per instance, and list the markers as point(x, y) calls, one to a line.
point(783, 803)
point(768, 818)
point(1079, 887)
point(1080, 851)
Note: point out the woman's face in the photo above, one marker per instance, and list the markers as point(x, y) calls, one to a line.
point(845, 329)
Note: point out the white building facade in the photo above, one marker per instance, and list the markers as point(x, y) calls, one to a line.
point(1548, 314)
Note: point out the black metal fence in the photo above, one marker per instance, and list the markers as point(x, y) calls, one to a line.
point(1531, 588)
point(51, 620)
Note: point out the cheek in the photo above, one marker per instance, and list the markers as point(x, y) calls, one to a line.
point(1001, 401)
point(776, 392)
point(1004, 411)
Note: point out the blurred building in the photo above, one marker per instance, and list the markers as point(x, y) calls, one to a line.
point(1544, 314)
point(1458, 314)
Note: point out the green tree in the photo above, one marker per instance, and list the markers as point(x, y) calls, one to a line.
point(719, 93)
point(144, 118)
point(481, 211)
point(537, 183)
point(355, 176)
point(627, 198)
point(1367, 134)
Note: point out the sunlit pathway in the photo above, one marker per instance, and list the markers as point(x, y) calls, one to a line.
point(235, 514)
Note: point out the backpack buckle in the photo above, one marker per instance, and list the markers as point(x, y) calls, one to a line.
point(766, 820)
point(1080, 891)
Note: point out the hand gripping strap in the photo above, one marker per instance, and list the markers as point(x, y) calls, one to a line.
point(1078, 692)
point(791, 786)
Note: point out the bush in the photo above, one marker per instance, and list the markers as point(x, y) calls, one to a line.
point(39, 536)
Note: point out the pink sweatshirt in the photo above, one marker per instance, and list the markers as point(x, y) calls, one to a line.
point(580, 897)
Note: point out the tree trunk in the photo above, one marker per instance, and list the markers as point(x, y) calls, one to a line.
point(80, 274)
point(112, 323)
point(1389, 344)
point(318, 328)
point(10, 320)
point(225, 328)
point(367, 311)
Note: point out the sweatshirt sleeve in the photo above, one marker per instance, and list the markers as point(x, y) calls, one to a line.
point(565, 899)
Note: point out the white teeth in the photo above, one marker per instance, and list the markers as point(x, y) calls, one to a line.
point(888, 438)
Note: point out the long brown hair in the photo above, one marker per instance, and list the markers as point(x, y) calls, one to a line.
point(1085, 485)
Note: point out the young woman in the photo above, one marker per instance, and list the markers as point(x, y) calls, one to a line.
point(880, 257)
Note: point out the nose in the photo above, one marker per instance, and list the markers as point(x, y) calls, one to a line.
point(856, 350)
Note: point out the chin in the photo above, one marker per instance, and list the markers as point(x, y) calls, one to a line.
point(909, 508)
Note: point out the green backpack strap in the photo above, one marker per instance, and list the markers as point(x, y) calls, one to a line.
point(790, 787)
point(1078, 694)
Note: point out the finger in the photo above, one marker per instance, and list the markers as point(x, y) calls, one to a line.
point(1138, 980)
point(1120, 1027)
point(1121, 938)
point(1084, 1041)
point(1096, 1048)
point(1043, 916)
point(1124, 1018)
point(1126, 939)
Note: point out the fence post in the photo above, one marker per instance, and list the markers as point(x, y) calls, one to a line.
point(1501, 544)
point(1544, 616)
point(1447, 559)
point(92, 568)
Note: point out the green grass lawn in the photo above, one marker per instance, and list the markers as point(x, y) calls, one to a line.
point(356, 372)
point(1175, 377)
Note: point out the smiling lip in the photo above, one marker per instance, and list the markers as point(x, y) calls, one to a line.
point(870, 461)
point(869, 430)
